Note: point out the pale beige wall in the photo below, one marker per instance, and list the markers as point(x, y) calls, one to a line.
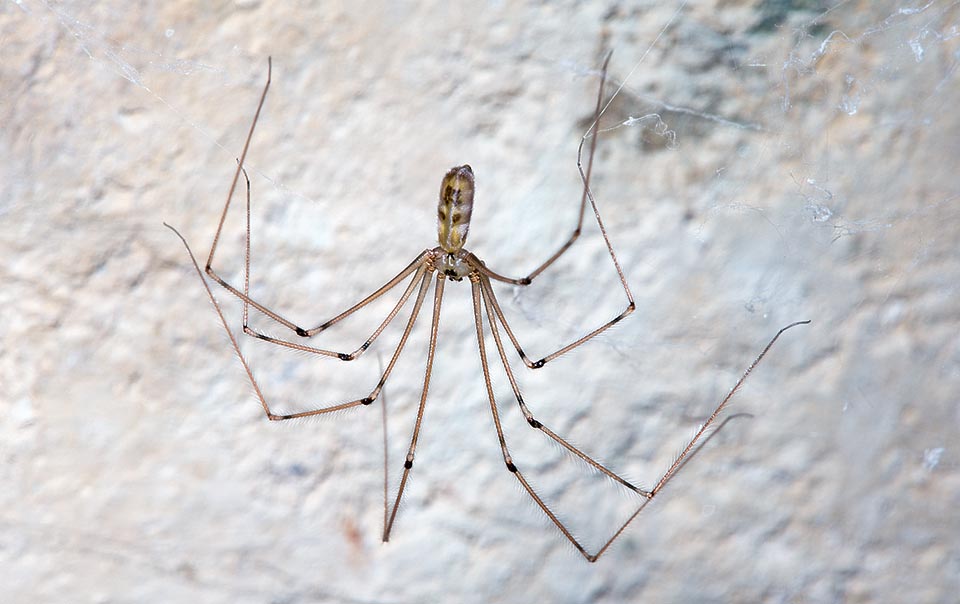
point(813, 175)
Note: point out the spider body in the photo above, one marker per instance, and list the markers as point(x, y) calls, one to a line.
point(454, 210)
point(451, 261)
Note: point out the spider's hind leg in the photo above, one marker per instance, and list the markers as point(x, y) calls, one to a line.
point(533, 422)
point(507, 457)
point(271, 415)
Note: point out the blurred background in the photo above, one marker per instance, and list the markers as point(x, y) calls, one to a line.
point(762, 162)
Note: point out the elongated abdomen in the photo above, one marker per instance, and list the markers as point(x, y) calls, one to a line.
point(455, 207)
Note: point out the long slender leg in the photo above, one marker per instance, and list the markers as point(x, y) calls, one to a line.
point(583, 197)
point(507, 459)
point(408, 461)
point(488, 289)
point(236, 174)
point(587, 196)
point(417, 262)
point(386, 452)
point(223, 217)
point(246, 254)
point(716, 412)
point(244, 295)
point(246, 367)
point(691, 448)
point(343, 356)
point(527, 414)
point(586, 186)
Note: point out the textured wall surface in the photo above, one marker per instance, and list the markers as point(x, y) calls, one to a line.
point(798, 160)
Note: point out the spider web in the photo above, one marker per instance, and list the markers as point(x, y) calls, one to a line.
point(761, 162)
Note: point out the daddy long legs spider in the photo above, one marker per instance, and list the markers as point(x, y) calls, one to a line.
point(451, 261)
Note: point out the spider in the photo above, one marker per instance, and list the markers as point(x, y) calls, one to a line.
point(451, 261)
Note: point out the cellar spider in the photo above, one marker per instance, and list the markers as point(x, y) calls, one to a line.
point(451, 261)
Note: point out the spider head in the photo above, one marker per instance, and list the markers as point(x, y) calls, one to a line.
point(455, 208)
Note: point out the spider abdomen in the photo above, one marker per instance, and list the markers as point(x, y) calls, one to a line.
point(455, 208)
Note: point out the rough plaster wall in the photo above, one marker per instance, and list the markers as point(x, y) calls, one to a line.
point(814, 175)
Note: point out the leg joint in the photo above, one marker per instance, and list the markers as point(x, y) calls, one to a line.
point(250, 332)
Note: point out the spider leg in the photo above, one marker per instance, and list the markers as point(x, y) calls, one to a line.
point(236, 173)
point(678, 462)
point(417, 262)
point(244, 295)
point(223, 217)
point(408, 461)
point(583, 197)
point(692, 448)
point(528, 415)
point(698, 440)
point(424, 285)
point(586, 196)
point(386, 453)
point(507, 458)
point(343, 356)
point(488, 291)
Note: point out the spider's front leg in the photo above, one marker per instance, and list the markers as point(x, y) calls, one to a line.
point(586, 196)
point(419, 267)
point(421, 295)
point(416, 265)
